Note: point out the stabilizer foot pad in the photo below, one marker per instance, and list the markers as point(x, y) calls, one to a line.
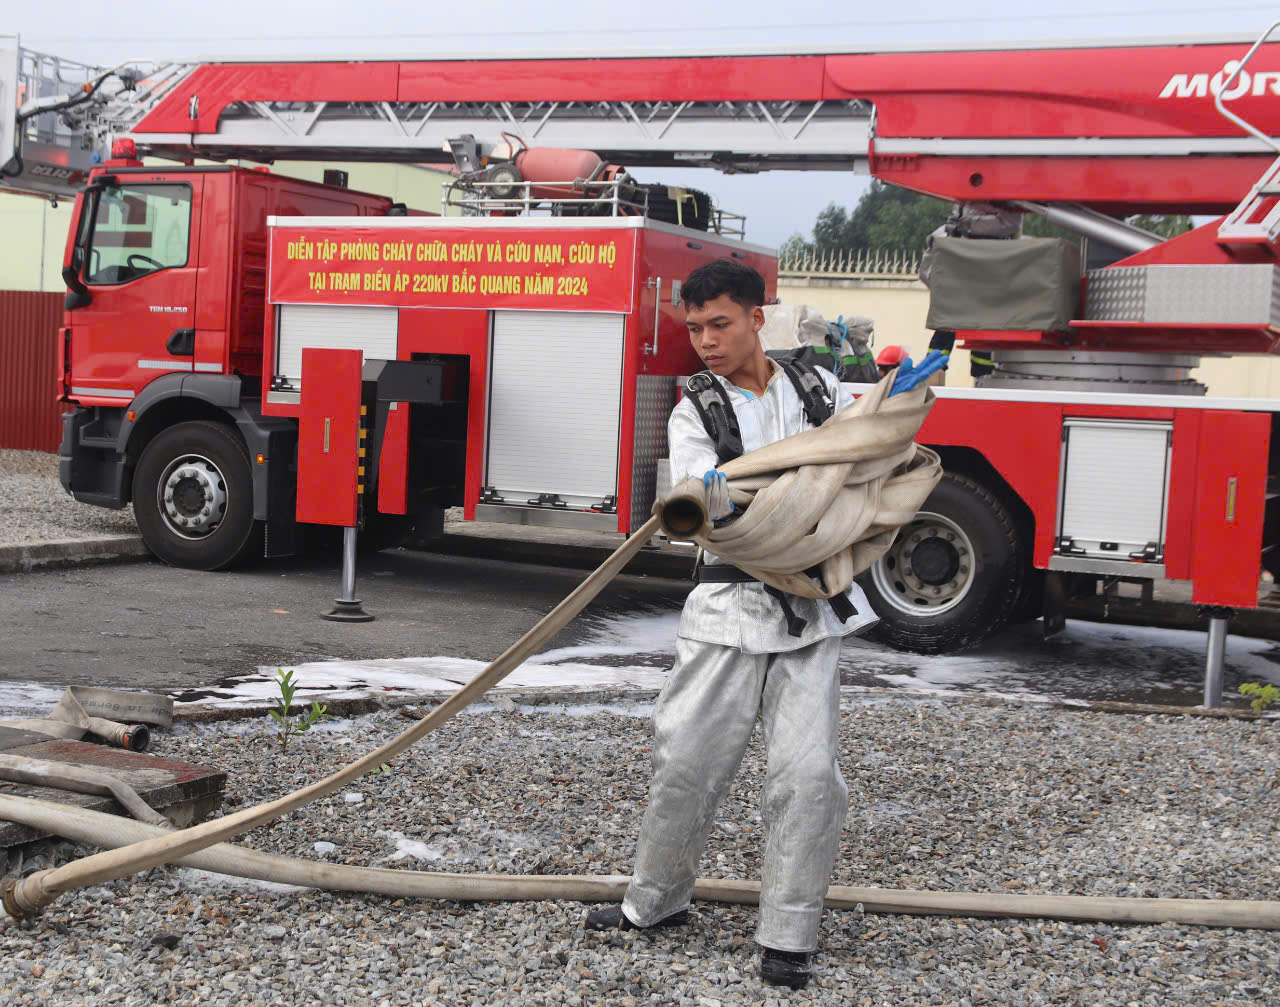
point(347, 611)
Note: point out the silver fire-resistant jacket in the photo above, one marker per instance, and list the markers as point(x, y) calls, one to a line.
point(744, 615)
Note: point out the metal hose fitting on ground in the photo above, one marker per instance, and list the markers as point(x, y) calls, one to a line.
point(116, 716)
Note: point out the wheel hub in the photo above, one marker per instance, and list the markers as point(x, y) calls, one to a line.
point(193, 496)
point(928, 569)
point(935, 560)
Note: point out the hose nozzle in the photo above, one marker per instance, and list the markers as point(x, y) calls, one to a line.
point(683, 511)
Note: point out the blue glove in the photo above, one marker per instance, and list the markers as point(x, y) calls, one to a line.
point(718, 503)
point(909, 376)
point(837, 333)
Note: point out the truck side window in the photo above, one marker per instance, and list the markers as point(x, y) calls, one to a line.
point(138, 229)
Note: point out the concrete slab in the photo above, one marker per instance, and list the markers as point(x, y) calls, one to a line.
point(183, 792)
point(72, 553)
point(16, 737)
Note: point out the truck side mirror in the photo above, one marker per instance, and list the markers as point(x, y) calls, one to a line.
point(78, 295)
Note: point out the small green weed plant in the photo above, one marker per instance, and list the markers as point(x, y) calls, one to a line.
point(300, 723)
point(1263, 695)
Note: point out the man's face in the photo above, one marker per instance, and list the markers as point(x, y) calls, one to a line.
point(724, 333)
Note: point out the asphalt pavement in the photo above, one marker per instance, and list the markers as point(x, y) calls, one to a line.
point(203, 637)
point(149, 626)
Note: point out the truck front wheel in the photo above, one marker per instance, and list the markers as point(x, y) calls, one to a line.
point(193, 497)
point(953, 575)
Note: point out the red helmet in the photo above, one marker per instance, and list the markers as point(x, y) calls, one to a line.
point(891, 356)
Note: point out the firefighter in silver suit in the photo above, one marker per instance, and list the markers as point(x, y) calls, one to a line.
point(743, 652)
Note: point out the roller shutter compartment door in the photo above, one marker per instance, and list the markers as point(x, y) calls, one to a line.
point(1115, 487)
point(555, 396)
point(373, 331)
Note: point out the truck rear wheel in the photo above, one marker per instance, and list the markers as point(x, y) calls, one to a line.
point(952, 576)
point(193, 497)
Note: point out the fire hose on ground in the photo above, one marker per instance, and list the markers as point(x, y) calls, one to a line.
point(832, 497)
point(45, 773)
point(111, 831)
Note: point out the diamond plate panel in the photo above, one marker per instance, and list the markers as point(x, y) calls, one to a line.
point(1219, 295)
point(1116, 295)
point(1186, 294)
point(655, 398)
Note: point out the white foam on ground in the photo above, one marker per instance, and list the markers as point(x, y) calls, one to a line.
point(355, 797)
point(410, 847)
point(643, 633)
point(620, 636)
point(1087, 659)
point(24, 700)
point(325, 680)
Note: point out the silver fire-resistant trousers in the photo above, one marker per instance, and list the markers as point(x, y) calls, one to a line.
point(701, 725)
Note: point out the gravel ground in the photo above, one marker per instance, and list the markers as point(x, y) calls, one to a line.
point(951, 797)
point(35, 508)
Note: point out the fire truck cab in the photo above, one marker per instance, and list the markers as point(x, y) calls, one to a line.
point(162, 341)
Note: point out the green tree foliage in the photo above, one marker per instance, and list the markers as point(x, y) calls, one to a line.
point(903, 220)
point(888, 217)
point(831, 230)
point(1167, 225)
point(794, 247)
point(1037, 227)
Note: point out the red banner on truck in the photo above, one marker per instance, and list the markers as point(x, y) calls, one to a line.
point(553, 268)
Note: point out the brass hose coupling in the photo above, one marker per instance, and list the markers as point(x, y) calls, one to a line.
point(18, 907)
point(9, 900)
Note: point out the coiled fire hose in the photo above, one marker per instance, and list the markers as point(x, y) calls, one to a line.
point(872, 436)
point(831, 498)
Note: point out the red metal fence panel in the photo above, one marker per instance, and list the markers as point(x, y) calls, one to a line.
point(30, 414)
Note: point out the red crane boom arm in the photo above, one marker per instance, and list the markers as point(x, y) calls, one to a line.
point(1112, 126)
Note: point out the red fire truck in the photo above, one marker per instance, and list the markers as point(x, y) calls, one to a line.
point(521, 365)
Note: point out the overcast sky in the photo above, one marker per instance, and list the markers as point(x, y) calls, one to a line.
point(776, 203)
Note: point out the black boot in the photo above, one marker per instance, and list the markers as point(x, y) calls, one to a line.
point(786, 968)
point(613, 918)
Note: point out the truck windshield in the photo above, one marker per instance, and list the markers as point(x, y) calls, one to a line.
point(138, 229)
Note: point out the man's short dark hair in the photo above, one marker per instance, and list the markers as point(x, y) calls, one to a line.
point(742, 284)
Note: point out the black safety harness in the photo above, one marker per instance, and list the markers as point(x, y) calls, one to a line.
point(716, 412)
